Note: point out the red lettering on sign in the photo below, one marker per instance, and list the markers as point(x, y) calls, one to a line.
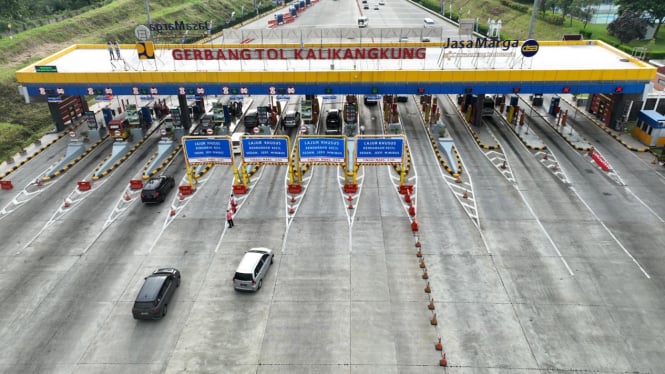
point(197, 54)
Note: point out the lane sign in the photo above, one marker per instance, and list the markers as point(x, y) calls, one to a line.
point(322, 150)
point(382, 151)
point(204, 150)
point(265, 149)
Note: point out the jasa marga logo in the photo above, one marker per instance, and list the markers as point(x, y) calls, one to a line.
point(530, 48)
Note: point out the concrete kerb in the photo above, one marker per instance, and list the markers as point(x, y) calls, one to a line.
point(34, 149)
point(609, 131)
point(438, 153)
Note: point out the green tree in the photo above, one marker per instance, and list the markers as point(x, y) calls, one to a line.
point(584, 10)
point(628, 26)
point(654, 8)
point(12, 9)
point(567, 7)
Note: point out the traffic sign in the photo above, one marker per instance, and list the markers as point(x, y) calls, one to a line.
point(322, 150)
point(210, 131)
point(256, 150)
point(203, 150)
point(162, 132)
point(329, 97)
point(256, 130)
point(303, 128)
point(72, 134)
point(384, 150)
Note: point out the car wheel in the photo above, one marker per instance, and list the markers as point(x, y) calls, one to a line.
point(164, 310)
point(177, 284)
point(260, 284)
point(272, 259)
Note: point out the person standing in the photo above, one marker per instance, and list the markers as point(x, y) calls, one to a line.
point(229, 218)
point(116, 46)
point(232, 203)
point(110, 47)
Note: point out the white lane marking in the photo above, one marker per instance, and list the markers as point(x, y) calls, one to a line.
point(645, 205)
point(625, 250)
point(549, 238)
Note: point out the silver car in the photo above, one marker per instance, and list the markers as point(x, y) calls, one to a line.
point(252, 269)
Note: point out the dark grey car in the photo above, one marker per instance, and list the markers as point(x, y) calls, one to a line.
point(158, 289)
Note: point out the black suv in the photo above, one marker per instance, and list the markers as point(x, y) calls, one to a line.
point(334, 122)
point(153, 299)
point(156, 188)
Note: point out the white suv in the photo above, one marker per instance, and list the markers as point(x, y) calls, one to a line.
point(252, 269)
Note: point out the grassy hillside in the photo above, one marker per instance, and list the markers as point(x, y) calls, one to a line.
point(21, 123)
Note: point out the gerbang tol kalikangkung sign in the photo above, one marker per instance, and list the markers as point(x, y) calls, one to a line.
point(343, 53)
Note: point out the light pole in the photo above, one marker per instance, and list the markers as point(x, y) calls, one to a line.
point(147, 11)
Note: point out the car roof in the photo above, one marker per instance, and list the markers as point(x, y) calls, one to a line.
point(250, 259)
point(291, 112)
point(165, 271)
point(151, 288)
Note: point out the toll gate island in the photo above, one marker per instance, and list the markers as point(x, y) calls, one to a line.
point(470, 67)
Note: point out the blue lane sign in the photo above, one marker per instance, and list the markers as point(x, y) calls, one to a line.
point(283, 97)
point(202, 150)
point(379, 150)
point(236, 98)
point(322, 150)
point(329, 97)
point(259, 149)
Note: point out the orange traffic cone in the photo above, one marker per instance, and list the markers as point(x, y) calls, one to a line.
point(38, 182)
point(172, 212)
point(427, 288)
point(555, 167)
point(430, 306)
point(350, 198)
point(293, 199)
point(443, 361)
point(425, 276)
point(67, 203)
point(503, 166)
point(407, 197)
point(181, 196)
point(465, 195)
point(422, 262)
point(545, 158)
point(419, 253)
point(291, 210)
point(127, 197)
point(417, 243)
point(438, 346)
point(433, 321)
point(350, 205)
point(414, 225)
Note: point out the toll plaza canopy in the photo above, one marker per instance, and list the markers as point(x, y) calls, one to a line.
point(446, 66)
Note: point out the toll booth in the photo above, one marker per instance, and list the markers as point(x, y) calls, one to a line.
point(554, 106)
point(66, 109)
point(108, 114)
point(146, 117)
point(650, 128)
point(537, 99)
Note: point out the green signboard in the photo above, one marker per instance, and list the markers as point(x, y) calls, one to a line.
point(306, 110)
point(46, 69)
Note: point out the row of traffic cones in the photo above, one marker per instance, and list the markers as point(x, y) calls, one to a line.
point(431, 307)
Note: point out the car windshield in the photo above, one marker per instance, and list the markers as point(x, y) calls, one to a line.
point(243, 276)
point(153, 183)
